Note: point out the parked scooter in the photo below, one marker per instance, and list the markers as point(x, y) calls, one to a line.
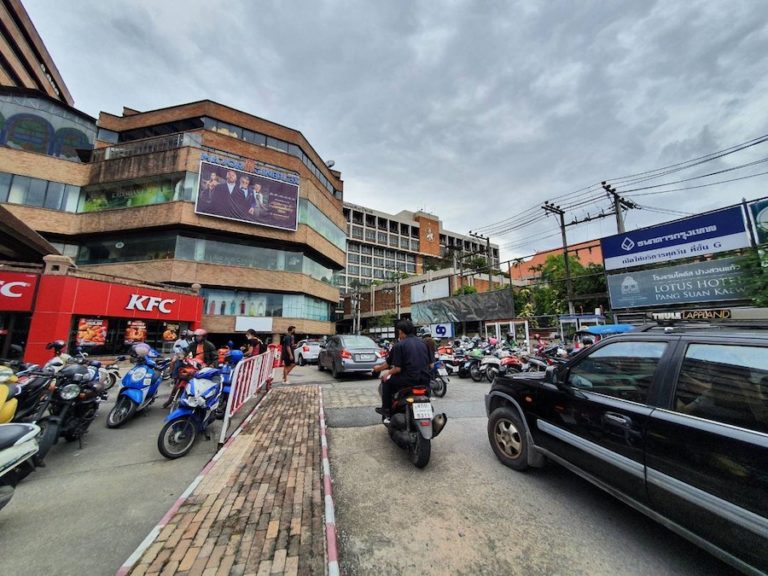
point(139, 387)
point(195, 411)
point(75, 401)
point(440, 379)
point(413, 424)
point(18, 444)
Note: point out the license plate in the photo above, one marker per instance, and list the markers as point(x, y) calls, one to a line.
point(366, 357)
point(422, 411)
point(442, 371)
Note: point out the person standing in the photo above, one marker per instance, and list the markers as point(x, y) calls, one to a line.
point(286, 355)
point(254, 345)
point(222, 196)
point(242, 199)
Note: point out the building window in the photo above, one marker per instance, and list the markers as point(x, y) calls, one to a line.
point(36, 192)
point(378, 251)
point(353, 270)
point(378, 262)
point(354, 247)
point(415, 245)
point(370, 235)
point(365, 271)
point(313, 217)
point(404, 243)
point(353, 258)
point(130, 194)
point(365, 249)
point(393, 241)
point(401, 256)
point(357, 232)
point(365, 260)
point(410, 268)
point(357, 217)
point(382, 237)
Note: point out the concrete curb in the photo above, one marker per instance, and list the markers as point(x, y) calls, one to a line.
point(153, 534)
point(331, 545)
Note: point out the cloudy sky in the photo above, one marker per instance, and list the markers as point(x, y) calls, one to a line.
point(473, 110)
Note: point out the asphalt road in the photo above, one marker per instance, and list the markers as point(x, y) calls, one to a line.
point(90, 507)
point(468, 514)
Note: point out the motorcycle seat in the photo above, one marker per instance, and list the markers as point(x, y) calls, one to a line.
point(12, 433)
point(95, 363)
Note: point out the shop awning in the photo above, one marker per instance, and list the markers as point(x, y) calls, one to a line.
point(18, 242)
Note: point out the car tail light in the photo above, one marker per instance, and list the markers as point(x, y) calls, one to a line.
point(305, 348)
point(346, 354)
point(381, 353)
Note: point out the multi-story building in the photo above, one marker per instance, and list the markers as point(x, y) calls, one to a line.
point(145, 195)
point(528, 270)
point(381, 244)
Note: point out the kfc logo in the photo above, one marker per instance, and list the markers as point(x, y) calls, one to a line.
point(149, 303)
point(12, 289)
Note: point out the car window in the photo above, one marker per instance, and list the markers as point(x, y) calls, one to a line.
point(725, 382)
point(621, 369)
point(359, 342)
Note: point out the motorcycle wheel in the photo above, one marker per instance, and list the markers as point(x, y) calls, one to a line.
point(440, 387)
point(121, 412)
point(491, 372)
point(475, 373)
point(111, 381)
point(177, 437)
point(420, 451)
point(48, 436)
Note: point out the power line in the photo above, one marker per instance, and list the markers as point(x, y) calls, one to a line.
point(703, 185)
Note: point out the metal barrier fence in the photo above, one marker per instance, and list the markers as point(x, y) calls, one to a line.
point(249, 377)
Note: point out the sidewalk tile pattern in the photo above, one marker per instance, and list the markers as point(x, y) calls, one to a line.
point(259, 510)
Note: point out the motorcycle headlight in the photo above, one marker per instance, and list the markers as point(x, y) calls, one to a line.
point(5, 375)
point(69, 392)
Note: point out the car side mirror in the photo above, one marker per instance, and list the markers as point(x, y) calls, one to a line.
point(556, 375)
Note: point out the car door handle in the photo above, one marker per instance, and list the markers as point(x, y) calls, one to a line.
point(617, 419)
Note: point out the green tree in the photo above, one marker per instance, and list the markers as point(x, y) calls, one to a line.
point(465, 290)
point(754, 278)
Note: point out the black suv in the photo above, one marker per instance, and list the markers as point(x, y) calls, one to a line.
point(672, 422)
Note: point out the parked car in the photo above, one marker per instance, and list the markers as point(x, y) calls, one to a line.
point(307, 351)
point(350, 353)
point(673, 423)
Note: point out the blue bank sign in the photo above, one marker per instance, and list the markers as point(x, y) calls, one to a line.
point(713, 281)
point(709, 233)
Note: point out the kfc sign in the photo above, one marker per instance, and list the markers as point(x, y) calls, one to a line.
point(149, 304)
point(17, 291)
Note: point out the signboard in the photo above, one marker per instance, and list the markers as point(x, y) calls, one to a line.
point(243, 323)
point(441, 330)
point(712, 281)
point(759, 211)
point(254, 198)
point(467, 308)
point(709, 233)
point(136, 331)
point(704, 314)
point(91, 332)
point(17, 291)
point(430, 290)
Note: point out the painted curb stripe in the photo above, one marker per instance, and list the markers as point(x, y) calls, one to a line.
point(155, 532)
point(331, 545)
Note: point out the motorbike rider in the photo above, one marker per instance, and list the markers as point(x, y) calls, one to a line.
point(426, 336)
point(202, 349)
point(509, 341)
point(407, 365)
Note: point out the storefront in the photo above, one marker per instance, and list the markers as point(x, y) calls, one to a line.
point(105, 317)
point(17, 296)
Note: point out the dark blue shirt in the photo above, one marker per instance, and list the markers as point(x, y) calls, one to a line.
point(411, 355)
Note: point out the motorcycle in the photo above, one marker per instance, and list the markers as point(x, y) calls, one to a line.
point(185, 373)
point(473, 364)
point(75, 401)
point(112, 373)
point(440, 379)
point(413, 424)
point(18, 445)
point(139, 387)
point(227, 369)
point(195, 411)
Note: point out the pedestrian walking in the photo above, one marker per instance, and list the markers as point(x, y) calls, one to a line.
point(286, 355)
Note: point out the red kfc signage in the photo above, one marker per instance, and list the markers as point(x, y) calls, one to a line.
point(17, 291)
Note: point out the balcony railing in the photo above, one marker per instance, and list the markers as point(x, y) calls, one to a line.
point(147, 146)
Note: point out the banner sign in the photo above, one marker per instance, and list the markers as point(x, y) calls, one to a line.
point(91, 332)
point(712, 281)
point(17, 291)
point(759, 211)
point(703, 314)
point(467, 308)
point(709, 233)
point(430, 290)
point(441, 330)
point(250, 197)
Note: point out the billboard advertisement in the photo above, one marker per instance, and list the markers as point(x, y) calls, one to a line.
point(709, 233)
point(759, 210)
point(467, 308)
point(91, 332)
point(234, 194)
point(430, 290)
point(135, 331)
point(713, 281)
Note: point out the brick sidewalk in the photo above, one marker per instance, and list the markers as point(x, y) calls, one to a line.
point(259, 510)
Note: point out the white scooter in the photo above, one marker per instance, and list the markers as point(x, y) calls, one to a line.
point(18, 443)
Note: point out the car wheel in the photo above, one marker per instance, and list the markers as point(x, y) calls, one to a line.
point(335, 370)
point(320, 365)
point(506, 433)
point(300, 360)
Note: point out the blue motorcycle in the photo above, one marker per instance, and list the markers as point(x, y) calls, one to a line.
point(439, 379)
point(139, 386)
point(227, 369)
point(195, 411)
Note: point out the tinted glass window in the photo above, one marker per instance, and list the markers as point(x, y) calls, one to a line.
point(621, 369)
point(725, 383)
point(359, 342)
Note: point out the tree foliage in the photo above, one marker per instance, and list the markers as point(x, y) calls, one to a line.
point(754, 276)
point(465, 290)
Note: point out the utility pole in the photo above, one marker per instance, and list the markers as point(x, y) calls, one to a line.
point(487, 256)
point(618, 204)
point(552, 209)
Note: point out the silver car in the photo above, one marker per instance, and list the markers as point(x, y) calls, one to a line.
point(350, 353)
point(307, 351)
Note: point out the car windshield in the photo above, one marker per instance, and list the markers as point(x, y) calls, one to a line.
point(359, 342)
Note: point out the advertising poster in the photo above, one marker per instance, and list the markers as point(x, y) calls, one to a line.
point(227, 303)
point(91, 332)
point(712, 233)
point(430, 290)
point(227, 192)
point(759, 210)
point(136, 331)
point(143, 194)
point(170, 332)
point(713, 281)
